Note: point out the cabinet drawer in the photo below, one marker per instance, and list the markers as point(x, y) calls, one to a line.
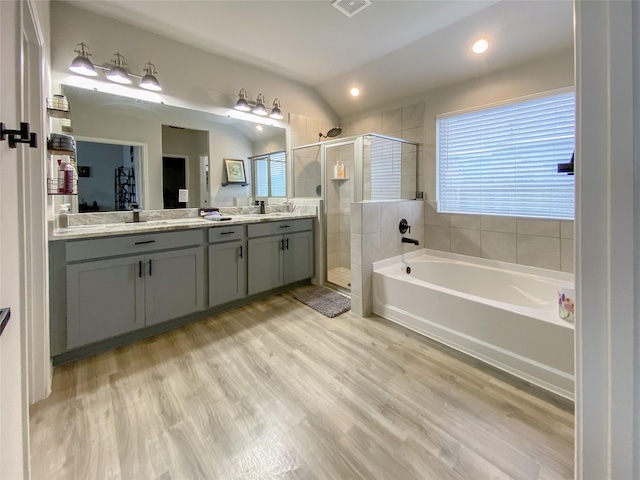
point(278, 228)
point(144, 242)
point(226, 233)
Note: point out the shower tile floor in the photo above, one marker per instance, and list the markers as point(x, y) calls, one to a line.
point(340, 276)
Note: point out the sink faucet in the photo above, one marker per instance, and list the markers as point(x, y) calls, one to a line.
point(136, 212)
point(410, 240)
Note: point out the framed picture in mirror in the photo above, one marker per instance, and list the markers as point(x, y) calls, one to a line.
point(236, 174)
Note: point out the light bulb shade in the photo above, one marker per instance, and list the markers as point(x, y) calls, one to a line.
point(276, 113)
point(260, 109)
point(83, 66)
point(150, 82)
point(119, 75)
point(242, 105)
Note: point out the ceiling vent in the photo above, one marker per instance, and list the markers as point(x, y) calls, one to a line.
point(351, 7)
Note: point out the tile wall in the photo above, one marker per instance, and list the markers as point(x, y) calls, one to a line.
point(406, 123)
point(340, 194)
point(375, 236)
point(533, 242)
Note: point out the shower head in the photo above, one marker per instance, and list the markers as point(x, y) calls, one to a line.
point(334, 132)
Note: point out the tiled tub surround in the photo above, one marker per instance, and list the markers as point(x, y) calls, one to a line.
point(375, 236)
point(504, 314)
point(536, 243)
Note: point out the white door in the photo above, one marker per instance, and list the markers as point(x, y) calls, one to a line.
point(14, 433)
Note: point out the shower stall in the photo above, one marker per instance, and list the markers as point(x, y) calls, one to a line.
point(363, 168)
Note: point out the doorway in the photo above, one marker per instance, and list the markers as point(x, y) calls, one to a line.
point(174, 179)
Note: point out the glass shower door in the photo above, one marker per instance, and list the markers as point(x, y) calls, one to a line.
point(341, 190)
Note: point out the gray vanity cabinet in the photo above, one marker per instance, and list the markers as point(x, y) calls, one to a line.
point(112, 296)
point(104, 299)
point(173, 282)
point(265, 264)
point(227, 264)
point(298, 257)
point(279, 253)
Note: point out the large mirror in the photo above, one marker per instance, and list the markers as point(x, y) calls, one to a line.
point(159, 156)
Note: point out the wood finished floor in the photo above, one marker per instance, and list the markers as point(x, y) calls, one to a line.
point(276, 390)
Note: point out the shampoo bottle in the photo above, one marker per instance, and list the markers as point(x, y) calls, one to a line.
point(66, 176)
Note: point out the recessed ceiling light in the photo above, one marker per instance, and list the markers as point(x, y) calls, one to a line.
point(355, 91)
point(480, 46)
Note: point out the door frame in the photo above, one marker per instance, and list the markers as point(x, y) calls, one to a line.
point(142, 174)
point(186, 172)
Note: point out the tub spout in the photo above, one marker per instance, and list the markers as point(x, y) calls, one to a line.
point(410, 240)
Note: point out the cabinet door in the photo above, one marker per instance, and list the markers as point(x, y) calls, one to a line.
point(298, 257)
point(104, 298)
point(173, 284)
point(227, 272)
point(265, 263)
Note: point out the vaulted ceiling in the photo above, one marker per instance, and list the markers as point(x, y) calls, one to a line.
point(392, 49)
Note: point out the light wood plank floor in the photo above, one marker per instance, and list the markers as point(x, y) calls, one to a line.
point(276, 390)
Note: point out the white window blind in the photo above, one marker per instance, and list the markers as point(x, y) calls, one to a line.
point(503, 160)
point(386, 169)
point(270, 175)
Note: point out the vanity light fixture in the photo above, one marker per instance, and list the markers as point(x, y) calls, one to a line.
point(258, 107)
point(116, 71)
point(242, 104)
point(276, 113)
point(149, 81)
point(81, 64)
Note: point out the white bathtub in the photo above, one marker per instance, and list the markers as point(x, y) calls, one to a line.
point(501, 313)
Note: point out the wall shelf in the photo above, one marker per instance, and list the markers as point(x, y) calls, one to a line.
point(340, 178)
point(55, 186)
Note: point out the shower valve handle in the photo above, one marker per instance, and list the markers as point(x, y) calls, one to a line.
point(404, 226)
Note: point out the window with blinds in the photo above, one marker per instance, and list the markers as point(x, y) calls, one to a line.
point(270, 175)
point(386, 168)
point(503, 160)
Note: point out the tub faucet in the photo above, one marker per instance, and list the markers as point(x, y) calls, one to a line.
point(410, 240)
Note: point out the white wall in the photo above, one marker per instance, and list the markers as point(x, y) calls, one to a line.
point(608, 233)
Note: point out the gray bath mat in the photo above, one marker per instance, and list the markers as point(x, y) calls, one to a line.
point(325, 301)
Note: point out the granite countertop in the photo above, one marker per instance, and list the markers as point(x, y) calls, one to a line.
point(165, 225)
